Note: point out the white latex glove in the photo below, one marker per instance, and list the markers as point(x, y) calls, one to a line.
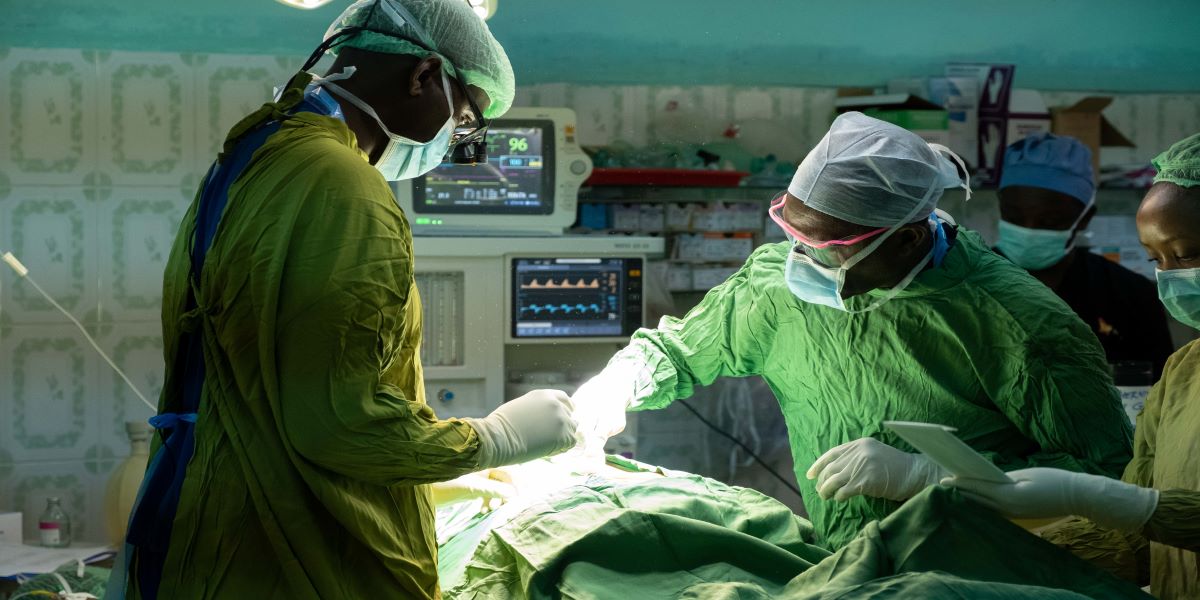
point(869, 467)
point(489, 485)
point(537, 424)
point(600, 404)
point(1044, 493)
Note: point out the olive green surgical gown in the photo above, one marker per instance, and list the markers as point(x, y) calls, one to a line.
point(1166, 456)
point(313, 443)
point(976, 343)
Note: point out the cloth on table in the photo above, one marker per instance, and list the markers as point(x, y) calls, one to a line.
point(684, 536)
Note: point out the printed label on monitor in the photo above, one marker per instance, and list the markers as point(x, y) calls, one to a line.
point(517, 179)
point(576, 297)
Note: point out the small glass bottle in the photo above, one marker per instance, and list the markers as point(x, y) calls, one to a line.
point(54, 525)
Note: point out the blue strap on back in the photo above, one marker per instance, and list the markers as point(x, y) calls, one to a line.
point(941, 245)
point(152, 518)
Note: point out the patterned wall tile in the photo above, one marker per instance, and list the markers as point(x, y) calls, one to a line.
point(6, 466)
point(524, 96)
point(48, 395)
point(52, 230)
point(754, 103)
point(147, 129)
point(633, 126)
point(48, 117)
point(32, 483)
point(228, 88)
point(138, 350)
point(598, 110)
point(677, 116)
point(137, 227)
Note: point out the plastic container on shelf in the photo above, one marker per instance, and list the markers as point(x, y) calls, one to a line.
point(636, 176)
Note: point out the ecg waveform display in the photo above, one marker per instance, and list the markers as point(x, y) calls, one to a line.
point(566, 309)
point(565, 284)
point(565, 298)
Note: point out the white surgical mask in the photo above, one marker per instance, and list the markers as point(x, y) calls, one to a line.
point(818, 284)
point(403, 158)
point(1037, 249)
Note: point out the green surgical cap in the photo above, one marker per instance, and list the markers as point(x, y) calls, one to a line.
point(1180, 164)
point(449, 27)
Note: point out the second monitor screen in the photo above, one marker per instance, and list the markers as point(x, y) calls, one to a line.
point(517, 179)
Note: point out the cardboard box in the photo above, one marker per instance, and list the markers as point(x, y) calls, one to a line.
point(1085, 122)
point(679, 217)
point(652, 217)
point(995, 83)
point(713, 246)
point(995, 91)
point(915, 114)
point(708, 277)
point(1027, 115)
point(960, 97)
point(626, 217)
point(11, 527)
point(679, 277)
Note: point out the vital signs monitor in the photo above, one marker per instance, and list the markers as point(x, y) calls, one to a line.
point(529, 185)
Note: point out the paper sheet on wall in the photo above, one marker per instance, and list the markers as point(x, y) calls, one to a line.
point(22, 558)
point(939, 443)
point(1116, 238)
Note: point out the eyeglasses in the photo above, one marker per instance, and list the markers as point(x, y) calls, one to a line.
point(829, 253)
point(468, 146)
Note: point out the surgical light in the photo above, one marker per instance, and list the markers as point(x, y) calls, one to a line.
point(484, 8)
point(304, 4)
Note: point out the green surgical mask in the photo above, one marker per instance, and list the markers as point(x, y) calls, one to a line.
point(1037, 249)
point(1179, 290)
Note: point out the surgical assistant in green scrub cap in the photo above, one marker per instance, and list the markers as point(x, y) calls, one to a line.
point(1047, 200)
point(880, 308)
point(295, 455)
point(1157, 501)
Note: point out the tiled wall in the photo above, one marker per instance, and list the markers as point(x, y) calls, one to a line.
point(100, 154)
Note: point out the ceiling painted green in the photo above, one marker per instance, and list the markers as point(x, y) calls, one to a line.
point(1057, 44)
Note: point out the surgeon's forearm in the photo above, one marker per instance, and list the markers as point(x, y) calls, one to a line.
point(1065, 461)
point(395, 443)
point(1176, 520)
point(1123, 554)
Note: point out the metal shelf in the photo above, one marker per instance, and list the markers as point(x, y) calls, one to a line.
point(629, 193)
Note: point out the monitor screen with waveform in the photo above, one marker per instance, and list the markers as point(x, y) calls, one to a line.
point(576, 297)
point(517, 178)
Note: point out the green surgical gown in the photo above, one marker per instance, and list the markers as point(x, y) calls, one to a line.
point(977, 344)
point(1166, 456)
point(313, 441)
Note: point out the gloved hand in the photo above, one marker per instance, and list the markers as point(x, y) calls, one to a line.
point(600, 405)
point(1044, 493)
point(869, 467)
point(537, 424)
point(487, 485)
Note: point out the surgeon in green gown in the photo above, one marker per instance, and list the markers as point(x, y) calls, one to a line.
point(1145, 527)
point(880, 309)
point(295, 448)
